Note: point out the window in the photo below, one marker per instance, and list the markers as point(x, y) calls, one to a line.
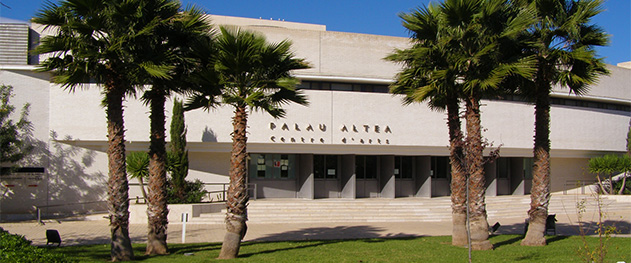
point(22, 170)
point(366, 166)
point(440, 167)
point(502, 168)
point(325, 166)
point(528, 163)
point(403, 166)
point(272, 166)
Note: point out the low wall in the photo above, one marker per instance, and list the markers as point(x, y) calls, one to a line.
point(138, 212)
point(619, 198)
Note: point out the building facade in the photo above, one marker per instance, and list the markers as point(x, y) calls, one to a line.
point(354, 140)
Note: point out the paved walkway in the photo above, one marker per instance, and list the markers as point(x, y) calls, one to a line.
point(96, 231)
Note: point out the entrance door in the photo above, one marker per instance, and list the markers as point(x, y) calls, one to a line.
point(366, 169)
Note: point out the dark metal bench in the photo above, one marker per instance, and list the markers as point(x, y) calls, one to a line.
point(52, 236)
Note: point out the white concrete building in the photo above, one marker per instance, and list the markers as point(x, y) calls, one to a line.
point(354, 140)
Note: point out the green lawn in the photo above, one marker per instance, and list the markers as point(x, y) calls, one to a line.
point(421, 249)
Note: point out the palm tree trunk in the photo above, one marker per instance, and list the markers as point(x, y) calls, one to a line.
point(540, 192)
point(458, 180)
point(157, 210)
point(475, 168)
point(237, 198)
point(117, 190)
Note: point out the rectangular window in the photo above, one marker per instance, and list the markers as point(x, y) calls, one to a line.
point(403, 167)
point(440, 167)
point(318, 166)
point(528, 163)
point(502, 168)
point(272, 166)
point(366, 166)
point(325, 166)
point(342, 86)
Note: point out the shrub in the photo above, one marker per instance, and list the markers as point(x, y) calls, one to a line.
point(194, 192)
point(608, 165)
point(16, 248)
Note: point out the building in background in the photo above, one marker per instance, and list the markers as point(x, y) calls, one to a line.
point(354, 140)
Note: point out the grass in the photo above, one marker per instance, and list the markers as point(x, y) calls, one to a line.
point(420, 249)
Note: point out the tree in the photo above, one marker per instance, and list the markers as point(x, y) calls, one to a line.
point(247, 73)
point(178, 148)
point(174, 60)
point(608, 165)
point(428, 75)
point(564, 42)
point(105, 42)
point(137, 167)
point(12, 134)
point(469, 43)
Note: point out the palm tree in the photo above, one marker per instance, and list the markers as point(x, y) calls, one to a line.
point(483, 32)
point(564, 50)
point(251, 74)
point(473, 37)
point(104, 41)
point(429, 76)
point(170, 48)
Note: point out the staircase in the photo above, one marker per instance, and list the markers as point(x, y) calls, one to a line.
point(393, 210)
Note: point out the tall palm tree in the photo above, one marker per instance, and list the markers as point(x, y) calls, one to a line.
point(483, 31)
point(564, 50)
point(103, 41)
point(171, 47)
point(473, 36)
point(251, 74)
point(428, 75)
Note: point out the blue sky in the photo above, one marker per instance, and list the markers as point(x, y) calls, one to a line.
point(362, 16)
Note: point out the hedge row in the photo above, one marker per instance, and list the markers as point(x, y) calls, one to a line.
point(16, 248)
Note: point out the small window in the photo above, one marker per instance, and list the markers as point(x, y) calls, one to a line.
point(403, 167)
point(342, 86)
point(272, 166)
point(503, 168)
point(440, 167)
point(260, 166)
point(366, 166)
point(325, 166)
point(528, 167)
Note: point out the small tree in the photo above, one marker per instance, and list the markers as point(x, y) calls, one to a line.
point(12, 134)
point(608, 165)
point(179, 155)
point(138, 167)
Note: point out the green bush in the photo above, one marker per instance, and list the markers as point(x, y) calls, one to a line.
point(608, 166)
point(16, 248)
point(193, 192)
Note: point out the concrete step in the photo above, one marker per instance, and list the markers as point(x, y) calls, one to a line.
point(389, 210)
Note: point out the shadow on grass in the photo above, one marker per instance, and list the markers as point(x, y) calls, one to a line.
point(507, 242)
point(565, 229)
point(318, 236)
point(316, 243)
point(329, 233)
point(307, 245)
point(190, 248)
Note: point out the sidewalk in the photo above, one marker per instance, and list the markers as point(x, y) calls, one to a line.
point(98, 232)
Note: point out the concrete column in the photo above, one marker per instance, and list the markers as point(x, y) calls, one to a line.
point(517, 176)
point(386, 176)
point(349, 182)
point(306, 177)
point(423, 178)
